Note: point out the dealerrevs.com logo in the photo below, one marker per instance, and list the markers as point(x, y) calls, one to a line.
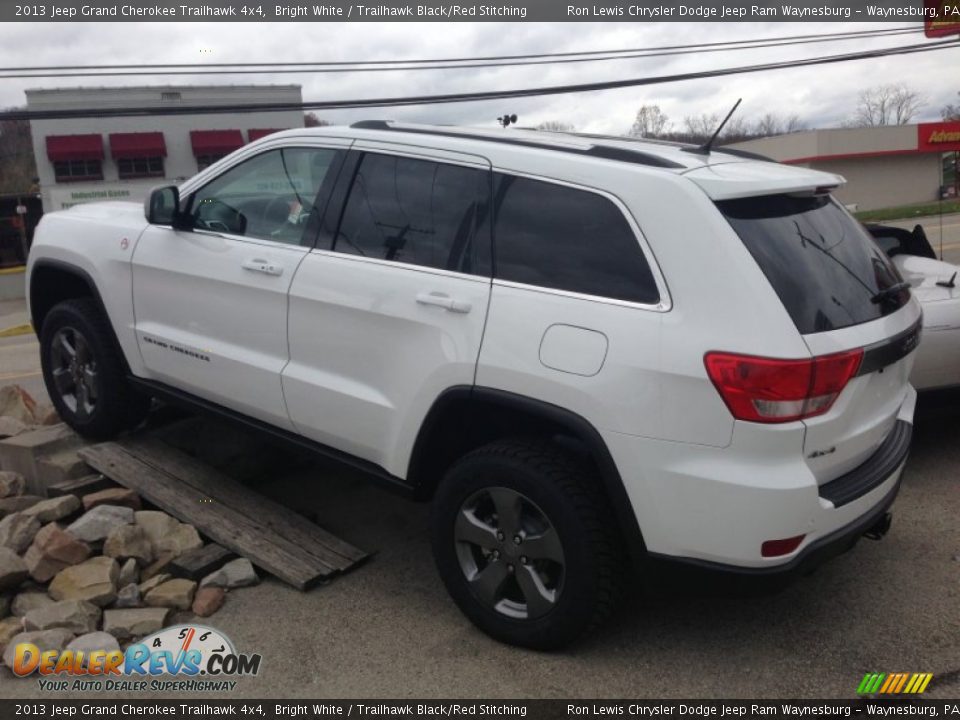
point(195, 656)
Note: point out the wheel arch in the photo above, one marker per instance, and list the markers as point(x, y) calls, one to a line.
point(53, 281)
point(464, 418)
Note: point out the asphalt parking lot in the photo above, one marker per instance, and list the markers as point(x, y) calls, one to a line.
point(388, 629)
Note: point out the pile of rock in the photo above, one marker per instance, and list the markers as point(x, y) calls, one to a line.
point(99, 571)
point(19, 412)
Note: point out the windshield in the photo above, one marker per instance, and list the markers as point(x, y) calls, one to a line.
point(825, 267)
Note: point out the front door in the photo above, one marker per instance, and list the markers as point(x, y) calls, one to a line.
point(210, 303)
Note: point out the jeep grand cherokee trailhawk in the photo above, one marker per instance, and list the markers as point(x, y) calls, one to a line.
point(585, 351)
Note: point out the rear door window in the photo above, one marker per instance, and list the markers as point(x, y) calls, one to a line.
point(417, 212)
point(825, 267)
point(555, 236)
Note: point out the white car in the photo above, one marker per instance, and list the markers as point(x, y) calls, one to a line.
point(935, 285)
point(587, 352)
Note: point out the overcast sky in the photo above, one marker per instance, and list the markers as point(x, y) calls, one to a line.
point(821, 96)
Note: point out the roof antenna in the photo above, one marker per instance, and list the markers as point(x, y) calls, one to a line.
point(705, 148)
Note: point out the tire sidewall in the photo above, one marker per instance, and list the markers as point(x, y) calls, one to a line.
point(70, 315)
point(578, 594)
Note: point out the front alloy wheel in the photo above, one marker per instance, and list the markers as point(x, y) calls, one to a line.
point(74, 371)
point(84, 371)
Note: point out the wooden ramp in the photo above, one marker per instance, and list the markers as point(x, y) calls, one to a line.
point(272, 536)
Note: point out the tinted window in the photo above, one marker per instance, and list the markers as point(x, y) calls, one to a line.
point(826, 269)
point(558, 237)
point(270, 196)
point(414, 211)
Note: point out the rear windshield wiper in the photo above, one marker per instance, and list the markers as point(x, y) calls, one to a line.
point(889, 292)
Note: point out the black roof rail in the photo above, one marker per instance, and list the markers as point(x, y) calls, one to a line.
point(371, 125)
point(605, 152)
point(744, 154)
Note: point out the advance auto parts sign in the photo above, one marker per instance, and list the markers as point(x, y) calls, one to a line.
point(945, 18)
point(938, 137)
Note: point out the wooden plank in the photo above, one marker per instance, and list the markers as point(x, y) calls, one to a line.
point(197, 564)
point(280, 519)
point(81, 486)
point(224, 525)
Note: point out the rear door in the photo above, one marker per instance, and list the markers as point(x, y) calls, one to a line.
point(389, 310)
point(843, 293)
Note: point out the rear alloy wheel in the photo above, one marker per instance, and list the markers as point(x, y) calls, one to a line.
point(509, 553)
point(525, 543)
point(84, 371)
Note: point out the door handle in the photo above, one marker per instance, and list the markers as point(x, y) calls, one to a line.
point(444, 301)
point(263, 266)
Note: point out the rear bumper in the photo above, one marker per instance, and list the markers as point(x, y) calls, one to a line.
point(715, 507)
point(814, 554)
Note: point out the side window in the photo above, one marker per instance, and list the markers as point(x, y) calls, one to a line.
point(415, 211)
point(558, 237)
point(269, 197)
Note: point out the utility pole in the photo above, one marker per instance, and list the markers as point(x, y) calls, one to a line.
point(22, 223)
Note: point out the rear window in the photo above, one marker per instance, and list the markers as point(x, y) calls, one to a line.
point(555, 236)
point(825, 267)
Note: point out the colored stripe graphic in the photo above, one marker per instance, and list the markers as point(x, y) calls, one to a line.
point(894, 683)
point(870, 683)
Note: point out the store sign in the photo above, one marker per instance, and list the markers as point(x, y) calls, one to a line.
point(64, 198)
point(946, 20)
point(938, 137)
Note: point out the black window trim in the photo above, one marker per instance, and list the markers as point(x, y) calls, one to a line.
point(308, 237)
point(665, 303)
point(337, 204)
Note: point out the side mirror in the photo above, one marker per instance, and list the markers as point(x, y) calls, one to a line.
point(162, 207)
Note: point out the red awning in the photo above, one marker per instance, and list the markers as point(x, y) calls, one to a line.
point(74, 147)
point(215, 142)
point(257, 133)
point(137, 145)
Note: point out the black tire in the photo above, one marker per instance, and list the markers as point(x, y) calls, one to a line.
point(113, 405)
point(551, 483)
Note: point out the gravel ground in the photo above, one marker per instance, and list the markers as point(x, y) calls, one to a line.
point(388, 629)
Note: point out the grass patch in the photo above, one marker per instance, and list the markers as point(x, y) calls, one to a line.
point(908, 212)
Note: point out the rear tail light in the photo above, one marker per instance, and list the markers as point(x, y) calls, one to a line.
point(768, 390)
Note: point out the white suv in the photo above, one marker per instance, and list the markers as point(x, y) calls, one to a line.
point(585, 350)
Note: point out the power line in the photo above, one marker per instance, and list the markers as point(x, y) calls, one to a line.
point(321, 67)
point(474, 96)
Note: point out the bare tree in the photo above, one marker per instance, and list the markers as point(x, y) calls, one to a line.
point(886, 105)
point(651, 121)
point(18, 169)
point(950, 111)
point(735, 130)
point(774, 124)
point(555, 126)
point(701, 127)
point(310, 119)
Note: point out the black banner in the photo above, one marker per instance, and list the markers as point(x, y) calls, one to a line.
point(879, 11)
